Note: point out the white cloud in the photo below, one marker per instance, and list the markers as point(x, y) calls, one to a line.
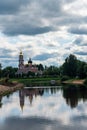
point(57, 27)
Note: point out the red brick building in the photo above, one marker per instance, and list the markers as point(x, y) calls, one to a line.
point(26, 68)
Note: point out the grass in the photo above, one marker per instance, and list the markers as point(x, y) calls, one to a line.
point(43, 81)
point(36, 81)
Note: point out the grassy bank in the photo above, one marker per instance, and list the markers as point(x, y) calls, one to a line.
point(47, 81)
point(37, 81)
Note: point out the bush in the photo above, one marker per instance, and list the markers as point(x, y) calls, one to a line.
point(85, 82)
point(64, 78)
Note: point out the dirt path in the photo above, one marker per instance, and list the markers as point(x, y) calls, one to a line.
point(78, 81)
point(75, 82)
point(6, 89)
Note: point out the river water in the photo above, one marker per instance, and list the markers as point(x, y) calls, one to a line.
point(44, 109)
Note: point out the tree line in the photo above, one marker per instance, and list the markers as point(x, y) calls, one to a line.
point(72, 67)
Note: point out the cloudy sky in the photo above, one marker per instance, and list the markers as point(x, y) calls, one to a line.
point(45, 30)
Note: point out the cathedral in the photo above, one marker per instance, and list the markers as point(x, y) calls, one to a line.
point(26, 68)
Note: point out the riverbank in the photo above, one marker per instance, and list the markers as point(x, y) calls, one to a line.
point(37, 81)
point(47, 81)
point(4, 90)
point(79, 82)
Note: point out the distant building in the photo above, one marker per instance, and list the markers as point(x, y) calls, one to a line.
point(26, 68)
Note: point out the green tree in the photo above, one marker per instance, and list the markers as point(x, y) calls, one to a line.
point(85, 69)
point(40, 67)
point(81, 69)
point(51, 71)
point(9, 71)
point(70, 66)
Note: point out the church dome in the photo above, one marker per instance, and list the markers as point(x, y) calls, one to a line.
point(30, 61)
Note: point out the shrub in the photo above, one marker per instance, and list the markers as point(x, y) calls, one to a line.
point(85, 82)
point(64, 78)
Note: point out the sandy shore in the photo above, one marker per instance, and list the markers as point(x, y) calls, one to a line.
point(78, 82)
point(6, 89)
point(81, 82)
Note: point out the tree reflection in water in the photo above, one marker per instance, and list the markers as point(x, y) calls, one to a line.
point(73, 94)
point(33, 92)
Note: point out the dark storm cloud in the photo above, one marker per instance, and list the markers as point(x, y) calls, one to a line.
point(78, 30)
point(69, 1)
point(26, 30)
point(11, 6)
point(51, 8)
point(27, 17)
point(45, 56)
point(69, 20)
point(81, 53)
point(31, 22)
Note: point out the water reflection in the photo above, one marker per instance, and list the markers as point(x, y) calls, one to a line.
point(33, 92)
point(37, 124)
point(45, 109)
point(29, 93)
point(74, 94)
point(0, 101)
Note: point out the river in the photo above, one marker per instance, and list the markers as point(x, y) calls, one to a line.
point(44, 109)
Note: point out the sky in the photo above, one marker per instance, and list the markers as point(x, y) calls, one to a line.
point(45, 30)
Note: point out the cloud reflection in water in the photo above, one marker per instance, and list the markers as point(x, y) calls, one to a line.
point(46, 111)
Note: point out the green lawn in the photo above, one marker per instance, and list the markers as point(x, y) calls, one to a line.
point(35, 80)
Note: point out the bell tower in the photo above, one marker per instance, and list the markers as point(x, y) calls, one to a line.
point(21, 61)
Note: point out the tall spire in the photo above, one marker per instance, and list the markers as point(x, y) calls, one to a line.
point(21, 60)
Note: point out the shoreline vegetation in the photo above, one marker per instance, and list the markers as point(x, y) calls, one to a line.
point(48, 81)
point(16, 84)
point(9, 87)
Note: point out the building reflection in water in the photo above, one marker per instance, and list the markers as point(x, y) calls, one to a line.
point(0, 101)
point(29, 93)
point(71, 94)
point(34, 92)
